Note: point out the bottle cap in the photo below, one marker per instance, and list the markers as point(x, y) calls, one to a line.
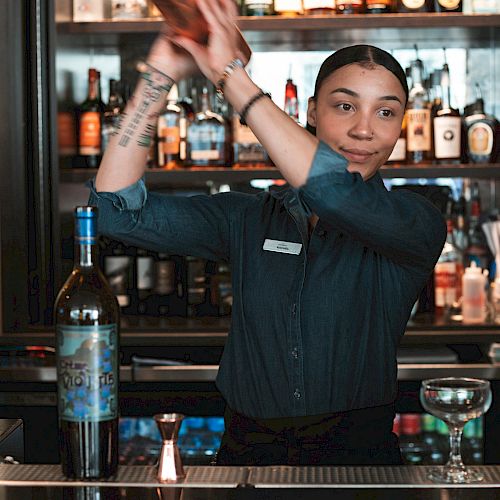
point(473, 269)
point(173, 95)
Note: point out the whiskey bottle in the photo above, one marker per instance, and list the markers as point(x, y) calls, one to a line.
point(144, 280)
point(288, 7)
point(349, 7)
point(447, 5)
point(447, 125)
point(418, 118)
point(414, 6)
point(378, 6)
point(112, 113)
point(247, 150)
point(206, 136)
point(319, 7)
point(257, 7)
point(482, 133)
point(89, 124)
point(398, 154)
point(169, 132)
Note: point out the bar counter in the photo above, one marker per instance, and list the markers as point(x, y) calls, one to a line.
point(272, 482)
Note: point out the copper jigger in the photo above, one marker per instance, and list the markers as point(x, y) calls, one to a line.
point(170, 466)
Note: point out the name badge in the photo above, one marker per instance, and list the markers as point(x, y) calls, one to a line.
point(282, 246)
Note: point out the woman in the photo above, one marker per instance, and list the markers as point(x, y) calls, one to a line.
point(324, 274)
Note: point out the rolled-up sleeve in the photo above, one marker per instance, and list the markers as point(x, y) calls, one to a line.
point(184, 225)
point(401, 225)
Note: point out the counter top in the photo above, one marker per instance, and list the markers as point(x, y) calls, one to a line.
point(208, 482)
point(208, 373)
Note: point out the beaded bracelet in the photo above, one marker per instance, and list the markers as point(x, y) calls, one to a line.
point(228, 70)
point(250, 103)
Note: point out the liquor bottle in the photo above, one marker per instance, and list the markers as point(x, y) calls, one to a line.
point(257, 8)
point(66, 124)
point(349, 7)
point(418, 118)
point(378, 6)
point(447, 5)
point(482, 133)
point(131, 9)
point(89, 10)
point(87, 327)
point(413, 448)
point(448, 273)
point(477, 248)
point(447, 125)
point(89, 124)
point(413, 6)
point(112, 114)
point(247, 150)
point(144, 280)
point(169, 132)
point(288, 7)
point(291, 101)
point(169, 295)
point(206, 136)
point(398, 154)
point(319, 7)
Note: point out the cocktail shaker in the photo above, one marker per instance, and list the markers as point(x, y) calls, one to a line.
point(185, 19)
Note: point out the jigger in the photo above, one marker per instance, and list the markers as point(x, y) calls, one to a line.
point(170, 466)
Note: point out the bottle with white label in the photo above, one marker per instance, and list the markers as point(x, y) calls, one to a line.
point(418, 119)
point(447, 125)
point(288, 7)
point(206, 136)
point(257, 7)
point(398, 154)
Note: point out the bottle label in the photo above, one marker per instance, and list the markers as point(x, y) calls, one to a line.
point(480, 139)
point(445, 279)
point(418, 130)
point(319, 4)
point(87, 373)
point(399, 151)
point(413, 4)
point(169, 140)
point(447, 136)
point(449, 4)
point(288, 6)
point(90, 133)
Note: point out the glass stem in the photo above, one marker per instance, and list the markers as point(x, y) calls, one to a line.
point(455, 458)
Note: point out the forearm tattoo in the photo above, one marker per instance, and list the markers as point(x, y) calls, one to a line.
point(156, 84)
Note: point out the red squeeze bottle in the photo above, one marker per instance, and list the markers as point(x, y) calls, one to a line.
point(185, 19)
point(291, 101)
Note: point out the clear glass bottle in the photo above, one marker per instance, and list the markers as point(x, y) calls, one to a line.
point(447, 125)
point(87, 324)
point(206, 136)
point(418, 118)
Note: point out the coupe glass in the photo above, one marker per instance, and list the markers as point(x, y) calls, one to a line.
point(455, 400)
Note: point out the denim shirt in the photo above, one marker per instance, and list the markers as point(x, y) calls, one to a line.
point(313, 331)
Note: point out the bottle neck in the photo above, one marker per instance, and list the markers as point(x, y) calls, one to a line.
point(445, 89)
point(417, 77)
point(93, 89)
point(85, 255)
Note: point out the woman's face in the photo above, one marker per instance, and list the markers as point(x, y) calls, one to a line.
point(358, 112)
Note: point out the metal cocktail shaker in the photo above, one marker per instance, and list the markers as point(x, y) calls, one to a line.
point(184, 18)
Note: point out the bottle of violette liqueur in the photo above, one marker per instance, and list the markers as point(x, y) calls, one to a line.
point(87, 329)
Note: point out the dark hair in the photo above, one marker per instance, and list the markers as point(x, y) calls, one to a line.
point(361, 54)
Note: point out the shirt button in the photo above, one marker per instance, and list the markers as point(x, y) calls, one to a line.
point(322, 233)
point(294, 309)
point(297, 394)
point(295, 352)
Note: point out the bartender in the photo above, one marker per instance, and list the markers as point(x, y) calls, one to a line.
point(324, 273)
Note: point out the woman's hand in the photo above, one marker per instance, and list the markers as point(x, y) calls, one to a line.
point(222, 46)
point(170, 58)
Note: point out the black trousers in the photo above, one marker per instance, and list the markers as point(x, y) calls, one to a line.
point(356, 437)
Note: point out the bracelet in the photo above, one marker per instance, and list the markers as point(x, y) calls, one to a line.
point(150, 73)
point(228, 70)
point(250, 103)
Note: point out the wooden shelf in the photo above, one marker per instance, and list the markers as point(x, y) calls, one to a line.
point(324, 32)
point(203, 176)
